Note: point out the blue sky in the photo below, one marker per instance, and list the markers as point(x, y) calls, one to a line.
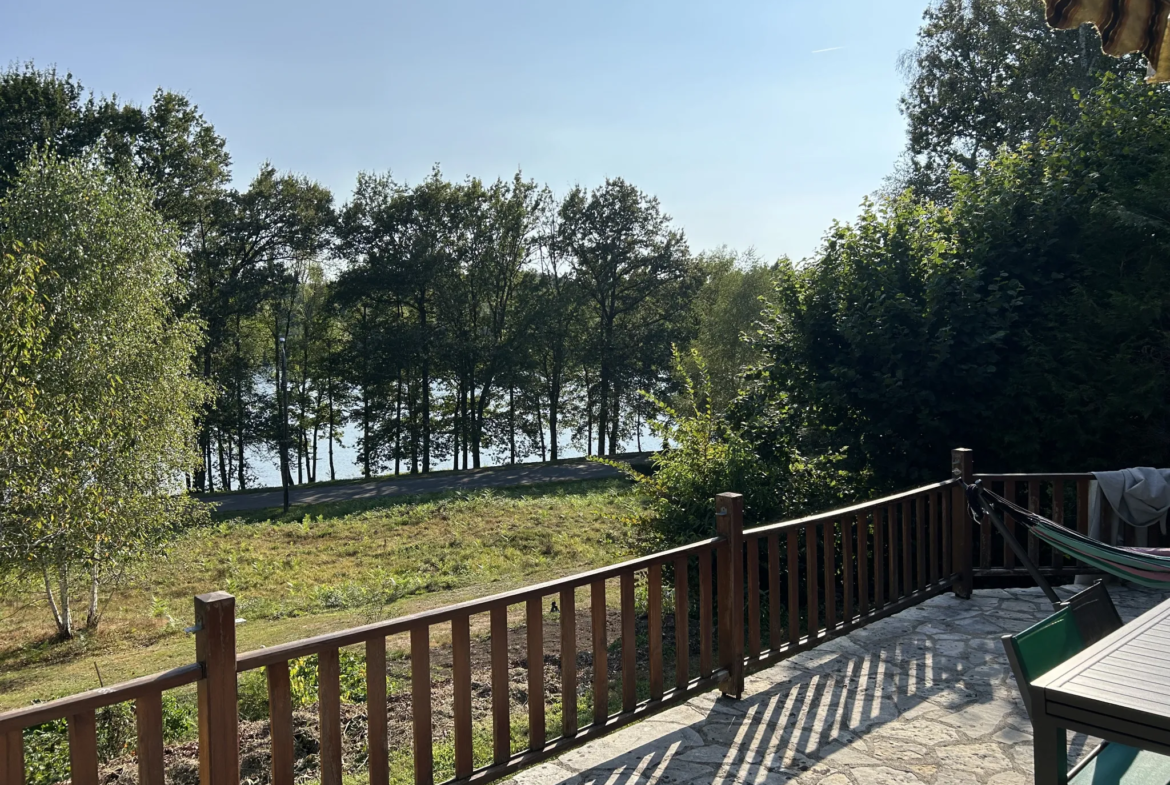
point(722, 110)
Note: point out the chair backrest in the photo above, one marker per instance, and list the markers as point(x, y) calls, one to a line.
point(1042, 647)
point(1095, 613)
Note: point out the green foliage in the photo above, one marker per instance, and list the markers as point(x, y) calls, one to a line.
point(728, 309)
point(1027, 320)
point(46, 746)
point(706, 453)
point(253, 687)
point(881, 346)
point(95, 484)
point(989, 73)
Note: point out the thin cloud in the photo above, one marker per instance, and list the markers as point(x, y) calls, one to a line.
point(830, 49)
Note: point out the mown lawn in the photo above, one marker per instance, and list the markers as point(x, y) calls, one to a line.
point(316, 569)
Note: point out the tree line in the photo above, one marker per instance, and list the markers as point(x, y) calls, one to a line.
point(443, 323)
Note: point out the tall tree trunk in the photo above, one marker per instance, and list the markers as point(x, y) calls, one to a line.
point(91, 616)
point(456, 425)
point(59, 620)
point(65, 627)
point(540, 430)
point(365, 431)
point(476, 424)
point(208, 464)
point(316, 439)
point(602, 406)
point(413, 434)
point(398, 421)
point(332, 471)
point(554, 401)
point(615, 420)
point(240, 464)
point(466, 427)
point(225, 480)
point(511, 425)
point(426, 388)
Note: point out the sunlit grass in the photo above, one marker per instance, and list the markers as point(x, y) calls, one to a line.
point(317, 569)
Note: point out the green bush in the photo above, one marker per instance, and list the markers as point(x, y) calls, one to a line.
point(705, 453)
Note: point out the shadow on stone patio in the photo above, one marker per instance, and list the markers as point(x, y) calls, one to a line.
point(924, 696)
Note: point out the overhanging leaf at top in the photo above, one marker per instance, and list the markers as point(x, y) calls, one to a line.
point(1125, 26)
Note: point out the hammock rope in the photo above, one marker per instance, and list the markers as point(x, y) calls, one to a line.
point(1148, 567)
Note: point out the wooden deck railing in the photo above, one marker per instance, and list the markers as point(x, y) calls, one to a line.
point(736, 601)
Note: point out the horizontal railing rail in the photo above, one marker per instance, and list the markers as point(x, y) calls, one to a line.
point(403, 624)
point(93, 700)
point(655, 629)
point(826, 574)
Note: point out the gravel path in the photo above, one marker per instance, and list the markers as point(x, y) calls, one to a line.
point(408, 486)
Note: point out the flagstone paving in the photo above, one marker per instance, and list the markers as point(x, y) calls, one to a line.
point(924, 696)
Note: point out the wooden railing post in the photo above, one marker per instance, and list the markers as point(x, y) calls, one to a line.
point(215, 649)
point(963, 468)
point(729, 524)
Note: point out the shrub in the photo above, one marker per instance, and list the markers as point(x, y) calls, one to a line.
point(705, 453)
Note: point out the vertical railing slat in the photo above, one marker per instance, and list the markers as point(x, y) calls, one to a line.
point(654, 628)
point(935, 546)
point(83, 760)
point(280, 723)
point(753, 596)
point(813, 600)
point(892, 534)
point(907, 550)
point(948, 552)
point(1083, 506)
point(376, 708)
point(501, 699)
point(920, 547)
point(793, 554)
point(682, 633)
point(774, 639)
point(420, 703)
point(847, 529)
point(829, 528)
point(706, 644)
point(568, 662)
point(1009, 493)
point(534, 621)
point(879, 560)
point(329, 715)
point(148, 719)
point(461, 686)
point(629, 650)
point(1058, 516)
point(12, 757)
point(863, 563)
point(1033, 506)
point(984, 546)
point(597, 610)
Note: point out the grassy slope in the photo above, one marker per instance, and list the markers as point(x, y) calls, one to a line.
point(322, 568)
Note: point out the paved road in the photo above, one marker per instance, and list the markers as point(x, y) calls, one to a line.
point(406, 486)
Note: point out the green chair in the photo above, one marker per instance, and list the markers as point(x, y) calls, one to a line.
point(1043, 646)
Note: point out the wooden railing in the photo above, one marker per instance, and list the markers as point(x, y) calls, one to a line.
point(736, 601)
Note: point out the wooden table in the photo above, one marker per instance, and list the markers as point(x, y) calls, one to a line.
point(1117, 689)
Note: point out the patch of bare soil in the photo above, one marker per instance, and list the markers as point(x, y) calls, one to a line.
point(182, 760)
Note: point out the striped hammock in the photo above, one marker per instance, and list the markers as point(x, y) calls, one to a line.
point(1148, 567)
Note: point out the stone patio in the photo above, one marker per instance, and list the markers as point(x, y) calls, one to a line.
point(925, 696)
